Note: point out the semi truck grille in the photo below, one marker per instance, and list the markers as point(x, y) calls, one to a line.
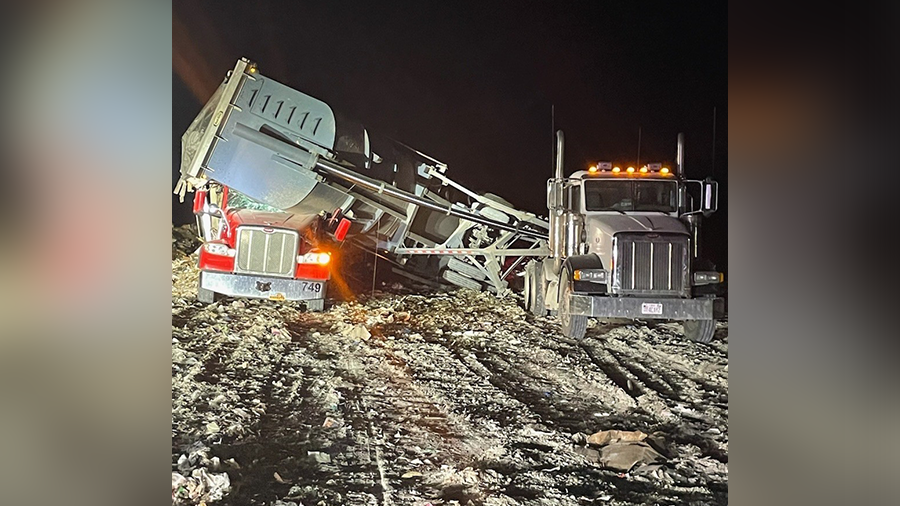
point(651, 264)
point(268, 251)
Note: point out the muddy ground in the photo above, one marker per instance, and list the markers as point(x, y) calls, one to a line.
point(404, 397)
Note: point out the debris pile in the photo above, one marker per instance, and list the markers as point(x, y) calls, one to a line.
point(438, 398)
point(198, 484)
point(184, 240)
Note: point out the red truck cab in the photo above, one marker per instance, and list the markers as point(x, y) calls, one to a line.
point(252, 250)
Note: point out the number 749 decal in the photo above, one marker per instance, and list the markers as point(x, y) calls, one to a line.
point(311, 287)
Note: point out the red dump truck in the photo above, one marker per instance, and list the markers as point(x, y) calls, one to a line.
point(251, 249)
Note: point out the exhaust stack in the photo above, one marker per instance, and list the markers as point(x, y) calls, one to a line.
point(554, 204)
point(559, 154)
point(679, 156)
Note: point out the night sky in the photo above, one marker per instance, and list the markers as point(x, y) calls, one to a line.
point(473, 83)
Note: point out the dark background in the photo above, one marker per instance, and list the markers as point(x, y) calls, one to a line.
point(473, 84)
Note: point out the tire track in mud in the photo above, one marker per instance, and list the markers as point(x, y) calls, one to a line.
point(516, 449)
point(545, 394)
point(395, 408)
point(543, 457)
point(354, 477)
point(276, 438)
point(628, 367)
point(612, 367)
point(659, 384)
point(687, 430)
point(506, 379)
point(525, 459)
point(705, 394)
point(285, 382)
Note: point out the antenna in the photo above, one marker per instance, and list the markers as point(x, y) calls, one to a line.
point(639, 147)
point(553, 132)
point(713, 164)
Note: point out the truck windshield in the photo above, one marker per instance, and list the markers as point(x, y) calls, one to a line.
point(237, 200)
point(630, 195)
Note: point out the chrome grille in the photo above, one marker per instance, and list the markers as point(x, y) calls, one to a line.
point(651, 264)
point(268, 251)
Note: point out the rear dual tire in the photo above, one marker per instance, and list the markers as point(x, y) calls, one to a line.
point(534, 289)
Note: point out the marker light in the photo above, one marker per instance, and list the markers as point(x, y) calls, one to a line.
point(630, 170)
point(323, 258)
point(664, 170)
point(643, 170)
point(616, 169)
point(592, 169)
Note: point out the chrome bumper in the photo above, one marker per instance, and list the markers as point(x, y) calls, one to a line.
point(261, 287)
point(635, 307)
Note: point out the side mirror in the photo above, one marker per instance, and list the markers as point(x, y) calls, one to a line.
point(709, 197)
point(683, 199)
point(554, 194)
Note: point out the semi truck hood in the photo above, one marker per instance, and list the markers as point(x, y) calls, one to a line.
point(610, 224)
point(600, 229)
point(293, 221)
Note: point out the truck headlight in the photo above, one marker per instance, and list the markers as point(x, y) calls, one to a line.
point(314, 257)
point(592, 275)
point(708, 278)
point(217, 248)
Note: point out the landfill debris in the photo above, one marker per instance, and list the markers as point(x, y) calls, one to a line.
point(615, 436)
point(620, 450)
point(358, 332)
point(320, 457)
point(625, 456)
point(185, 240)
point(200, 488)
point(451, 411)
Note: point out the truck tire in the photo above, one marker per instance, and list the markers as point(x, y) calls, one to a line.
point(700, 331)
point(526, 289)
point(537, 291)
point(573, 326)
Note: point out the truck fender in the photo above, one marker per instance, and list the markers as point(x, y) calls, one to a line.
point(589, 261)
point(551, 299)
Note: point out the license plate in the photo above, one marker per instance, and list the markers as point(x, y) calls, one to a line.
point(651, 308)
point(312, 288)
